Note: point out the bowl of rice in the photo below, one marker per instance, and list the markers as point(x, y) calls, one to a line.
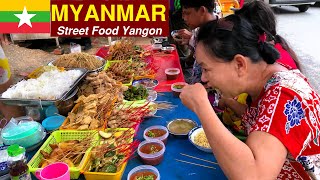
point(198, 138)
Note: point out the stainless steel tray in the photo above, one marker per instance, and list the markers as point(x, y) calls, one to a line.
point(43, 102)
point(89, 71)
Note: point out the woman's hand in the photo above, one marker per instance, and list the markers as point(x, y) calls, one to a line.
point(194, 96)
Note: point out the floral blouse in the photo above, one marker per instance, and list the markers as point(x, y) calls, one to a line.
point(289, 109)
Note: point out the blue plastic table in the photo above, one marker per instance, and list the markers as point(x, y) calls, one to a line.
point(169, 168)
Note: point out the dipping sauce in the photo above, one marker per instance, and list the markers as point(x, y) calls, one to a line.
point(178, 86)
point(152, 153)
point(144, 175)
point(151, 148)
point(181, 127)
point(155, 133)
point(172, 73)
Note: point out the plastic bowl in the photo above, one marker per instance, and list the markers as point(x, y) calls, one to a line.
point(148, 83)
point(183, 125)
point(51, 111)
point(25, 134)
point(156, 47)
point(176, 91)
point(162, 138)
point(53, 122)
point(175, 36)
point(172, 73)
point(154, 158)
point(191, 137)
point(143, 168)
point(152, 95)
point(168, 49)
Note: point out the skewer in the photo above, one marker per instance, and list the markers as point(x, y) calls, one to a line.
point(198, 158)
point(195, 164)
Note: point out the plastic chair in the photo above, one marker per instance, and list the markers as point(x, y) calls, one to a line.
point(227, 6)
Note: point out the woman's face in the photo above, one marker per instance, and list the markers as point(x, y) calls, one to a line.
point(217, 73)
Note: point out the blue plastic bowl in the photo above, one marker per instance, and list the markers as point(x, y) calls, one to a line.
point(191, 136)
point(52, 111)
point(53, 122)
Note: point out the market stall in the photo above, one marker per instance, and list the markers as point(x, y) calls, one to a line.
point(126, 95)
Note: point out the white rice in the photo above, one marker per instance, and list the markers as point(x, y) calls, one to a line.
point(49, 86)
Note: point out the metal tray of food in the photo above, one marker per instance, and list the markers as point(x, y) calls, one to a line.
point(89, 71)
point(44, 102)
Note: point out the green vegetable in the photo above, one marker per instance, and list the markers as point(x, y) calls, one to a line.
point(149, 177)
point(109, 168)
point(135, 93)
point(112, 146)
point(150, 134)
point(137, 48)
point(110, 154)
point(154, 149)
point(178, 86)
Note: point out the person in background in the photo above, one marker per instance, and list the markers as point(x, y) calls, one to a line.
point(195, 13)
point(261, 16)
point(4, 39)
point(282, 120)
point(86, 42)
point(175, 23)
point(5, 82)
point(263, 20)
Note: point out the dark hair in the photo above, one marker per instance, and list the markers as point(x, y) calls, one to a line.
point(226, 37)
point(263, 20)
point(208, 4)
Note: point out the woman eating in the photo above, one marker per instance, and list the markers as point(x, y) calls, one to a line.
point(282, 121)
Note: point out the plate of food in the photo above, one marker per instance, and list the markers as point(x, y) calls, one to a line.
point(198, 138)
point(80, 60)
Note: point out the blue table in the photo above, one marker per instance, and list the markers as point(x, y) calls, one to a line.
point(169, 168)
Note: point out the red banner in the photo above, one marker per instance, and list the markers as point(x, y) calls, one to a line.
point(142, 18)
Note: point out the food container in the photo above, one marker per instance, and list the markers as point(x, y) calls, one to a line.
point(143, 170)
point(148, 83)
point(151, 152)
point(152, 95)
point(192, 134)
point(172, 73)
point(168, 49)
point(181, 127)
point(24, 133)
point(156, 47)
point(4, 169)
point(65, 106)
point(100, 175)
point(175, 36)
point(42, 102)
point(53, 122)
point(177, 88)
point(60, 136)
point(156, 132)
point(51, 111)
point(89, 71)
point(103, 175)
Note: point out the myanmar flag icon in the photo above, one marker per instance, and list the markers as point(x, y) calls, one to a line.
point(24, 16)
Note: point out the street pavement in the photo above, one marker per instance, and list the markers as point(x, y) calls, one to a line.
point(302, 30)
